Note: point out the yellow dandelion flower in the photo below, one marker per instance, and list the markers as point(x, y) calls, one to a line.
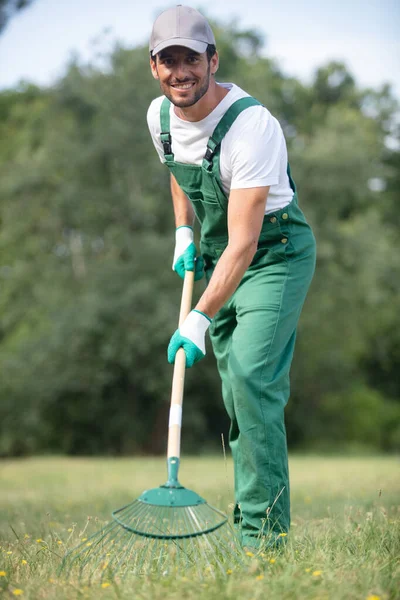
point(52, 580)
point(26, 536)
point(59, 542)
point(259, 577)
point(307, 570)
point(39, 540)
point(3, 574)
point(18, 592)
point(249, 554)
point(229, 572)
point(83, 539)
point(282, 535)
point(373, 597)
point(317, 573)
point(9, 552)
point(272, 560)
point(69, 530)
point(108, 554)
point(105, 585)
point(89, 544)
point(24, 562)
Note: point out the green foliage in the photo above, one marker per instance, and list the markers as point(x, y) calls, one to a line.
point(88, 298)
point(8, 8)
point(362, 416)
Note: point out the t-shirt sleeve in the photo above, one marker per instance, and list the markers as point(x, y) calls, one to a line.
point(254, 149)
point(153, 122)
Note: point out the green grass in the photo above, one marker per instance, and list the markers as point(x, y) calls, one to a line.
point(344, 543)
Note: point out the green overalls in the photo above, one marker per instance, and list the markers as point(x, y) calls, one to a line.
point(253, 335)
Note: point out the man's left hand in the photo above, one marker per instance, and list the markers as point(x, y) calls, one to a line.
point(191, 337)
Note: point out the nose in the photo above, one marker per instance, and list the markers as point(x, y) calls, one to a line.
point(181, 70)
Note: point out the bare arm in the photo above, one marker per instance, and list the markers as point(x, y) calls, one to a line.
point(246, 209)
point(183, 211)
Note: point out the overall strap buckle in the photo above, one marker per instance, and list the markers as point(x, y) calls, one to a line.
point(212, 147)
point(166, 141)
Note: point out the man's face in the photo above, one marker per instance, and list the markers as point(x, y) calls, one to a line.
point(184, 75)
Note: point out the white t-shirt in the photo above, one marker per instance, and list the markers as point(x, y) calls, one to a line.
point(253, 152)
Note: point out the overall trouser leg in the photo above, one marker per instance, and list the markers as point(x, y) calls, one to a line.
point(253, 339)
point(222, 328)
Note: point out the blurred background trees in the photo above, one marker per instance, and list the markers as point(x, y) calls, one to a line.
point(8, 8)
point(87, 297)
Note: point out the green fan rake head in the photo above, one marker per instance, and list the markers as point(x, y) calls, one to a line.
point(167, 530)
point(170, 512)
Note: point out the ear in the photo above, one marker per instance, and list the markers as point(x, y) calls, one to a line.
point(214, 63)
point(153, 67)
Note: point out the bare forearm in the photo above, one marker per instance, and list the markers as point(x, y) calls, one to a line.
point(245, 218)
point(183, 211)
point(227, 275)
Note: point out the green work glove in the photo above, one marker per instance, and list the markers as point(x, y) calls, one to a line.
point(191, 337)
point(185, 254)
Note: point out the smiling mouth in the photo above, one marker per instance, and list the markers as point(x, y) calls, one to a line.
point(183, 86)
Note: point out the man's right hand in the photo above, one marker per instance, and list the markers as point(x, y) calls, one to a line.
point(185, 258)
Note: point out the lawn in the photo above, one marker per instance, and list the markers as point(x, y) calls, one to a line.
point(344, 542)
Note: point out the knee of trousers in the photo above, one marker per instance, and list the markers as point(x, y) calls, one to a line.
point(258, 396)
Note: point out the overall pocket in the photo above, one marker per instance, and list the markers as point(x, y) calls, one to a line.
point(208, 210)
point(275, 235)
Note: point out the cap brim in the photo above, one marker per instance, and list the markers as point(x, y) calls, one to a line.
point(195, 45)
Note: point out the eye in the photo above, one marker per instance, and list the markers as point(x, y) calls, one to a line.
point(193, 59)
point(168, 62)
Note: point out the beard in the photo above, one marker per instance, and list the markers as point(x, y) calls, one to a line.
point(193, 97)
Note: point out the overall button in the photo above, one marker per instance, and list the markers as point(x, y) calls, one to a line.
point(284, 240)
point(273, 219)
point(285, 216)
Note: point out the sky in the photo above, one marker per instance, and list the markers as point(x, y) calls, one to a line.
point(38, 42)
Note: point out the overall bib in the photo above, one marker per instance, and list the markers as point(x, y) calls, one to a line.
point(253, 335)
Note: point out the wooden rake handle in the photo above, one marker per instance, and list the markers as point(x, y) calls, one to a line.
point(178, 380)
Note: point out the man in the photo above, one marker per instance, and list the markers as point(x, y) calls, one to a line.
point(228, 162)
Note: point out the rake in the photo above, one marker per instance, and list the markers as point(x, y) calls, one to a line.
point(168, 528)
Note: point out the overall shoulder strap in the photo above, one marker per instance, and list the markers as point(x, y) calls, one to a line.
point(291, 182)
point(165, 136)
point(224, 126)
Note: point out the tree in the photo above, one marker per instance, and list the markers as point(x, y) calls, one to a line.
point(8, 8)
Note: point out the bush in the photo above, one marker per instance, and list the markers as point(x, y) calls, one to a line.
point(361, 417)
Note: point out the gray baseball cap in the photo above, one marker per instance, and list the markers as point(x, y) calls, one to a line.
point(181, 26)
